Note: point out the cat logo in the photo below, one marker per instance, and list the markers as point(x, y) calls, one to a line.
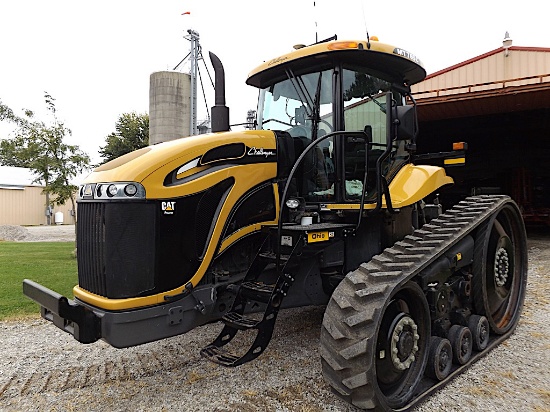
point(168, 208)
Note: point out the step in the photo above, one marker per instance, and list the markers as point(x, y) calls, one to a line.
point(238, 321)
point(284, 260)
point(257, 291)
point(272, 257)
point(219, 356)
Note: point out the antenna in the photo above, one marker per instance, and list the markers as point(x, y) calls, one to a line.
point(365, 22)
point(315, 14)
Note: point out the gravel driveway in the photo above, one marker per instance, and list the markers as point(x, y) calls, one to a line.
point(44, 369)
point(60, 233)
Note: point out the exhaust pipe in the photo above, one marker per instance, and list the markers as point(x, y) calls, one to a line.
point(220, 112)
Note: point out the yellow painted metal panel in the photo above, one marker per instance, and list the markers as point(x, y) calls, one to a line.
point(412, 184)
point(137, 166)
point(328, 47)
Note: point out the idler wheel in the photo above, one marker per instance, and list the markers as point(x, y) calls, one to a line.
point(500, 269)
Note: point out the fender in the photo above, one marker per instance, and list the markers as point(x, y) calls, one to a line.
point(411, 184)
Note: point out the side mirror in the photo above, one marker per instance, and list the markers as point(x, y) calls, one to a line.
point(406, 122)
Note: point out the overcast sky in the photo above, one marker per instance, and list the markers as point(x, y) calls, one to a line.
point(95, 57)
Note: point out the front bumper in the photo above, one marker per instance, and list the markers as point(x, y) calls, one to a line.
point(67, 315)
point(123, 329)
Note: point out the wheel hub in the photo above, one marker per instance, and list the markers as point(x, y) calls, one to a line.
point(483, 332)
point(502, 266)
point(444, 360)
point(404, 343)
point(465, 345)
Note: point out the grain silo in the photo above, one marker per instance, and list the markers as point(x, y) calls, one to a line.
point(169, 106)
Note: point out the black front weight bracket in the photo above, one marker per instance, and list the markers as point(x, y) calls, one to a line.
point(67, 315)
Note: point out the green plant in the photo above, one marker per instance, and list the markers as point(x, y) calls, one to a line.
point(48, 263)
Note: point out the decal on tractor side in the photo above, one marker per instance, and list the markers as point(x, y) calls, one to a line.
point(168, 208)
point(319, 236)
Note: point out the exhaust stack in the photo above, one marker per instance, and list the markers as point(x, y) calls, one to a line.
point(220, 112)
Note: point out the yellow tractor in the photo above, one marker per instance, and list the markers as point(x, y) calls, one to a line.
point(324, 202)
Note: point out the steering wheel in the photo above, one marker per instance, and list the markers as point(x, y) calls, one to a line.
point(278, 121)
point(330, 128)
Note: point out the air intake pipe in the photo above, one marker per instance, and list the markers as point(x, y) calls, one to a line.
point(220, 112)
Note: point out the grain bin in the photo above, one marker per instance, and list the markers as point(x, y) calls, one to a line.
point(169, 106)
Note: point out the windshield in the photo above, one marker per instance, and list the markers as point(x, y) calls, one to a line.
point(299, 105)
point(302, 106)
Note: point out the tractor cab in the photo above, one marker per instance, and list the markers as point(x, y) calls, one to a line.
point(344, 97)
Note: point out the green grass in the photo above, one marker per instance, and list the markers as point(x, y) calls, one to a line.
point(48, 263)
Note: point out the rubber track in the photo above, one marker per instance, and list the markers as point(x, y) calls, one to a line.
point(348, 335)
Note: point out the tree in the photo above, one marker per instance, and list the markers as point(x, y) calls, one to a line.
point(132, 133)
point(40, 147)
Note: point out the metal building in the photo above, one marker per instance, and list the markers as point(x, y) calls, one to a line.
point(499, 103)
point(22, 201)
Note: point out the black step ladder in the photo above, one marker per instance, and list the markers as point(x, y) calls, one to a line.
point(251, 291)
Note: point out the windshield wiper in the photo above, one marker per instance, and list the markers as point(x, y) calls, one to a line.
point(381, 105)
point(317, 108)
point(301, 91)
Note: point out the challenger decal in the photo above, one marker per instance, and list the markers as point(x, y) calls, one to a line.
point(260, 151)
point(277, 61)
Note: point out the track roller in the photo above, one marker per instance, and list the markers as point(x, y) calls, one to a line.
point(479, 326)
point(461, 342)
point(440, 358)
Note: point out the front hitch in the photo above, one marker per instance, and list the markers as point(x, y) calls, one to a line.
point(67, 315)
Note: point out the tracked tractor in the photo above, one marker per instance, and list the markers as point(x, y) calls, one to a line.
point(324, 202)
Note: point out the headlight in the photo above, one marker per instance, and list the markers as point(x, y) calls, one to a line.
point(292, 203)
point(130, 190)
point(112, 191)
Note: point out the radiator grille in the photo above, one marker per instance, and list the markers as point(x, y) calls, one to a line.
point(116, 248)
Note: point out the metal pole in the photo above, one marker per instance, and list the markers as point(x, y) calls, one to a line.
point(194, 39)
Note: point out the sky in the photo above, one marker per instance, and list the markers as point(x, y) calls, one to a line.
point(95, 57)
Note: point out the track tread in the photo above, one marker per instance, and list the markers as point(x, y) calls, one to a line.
point(345, 350)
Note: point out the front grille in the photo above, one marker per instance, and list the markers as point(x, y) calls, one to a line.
point(205, 216)
point(90, 234)
point(116, 248)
